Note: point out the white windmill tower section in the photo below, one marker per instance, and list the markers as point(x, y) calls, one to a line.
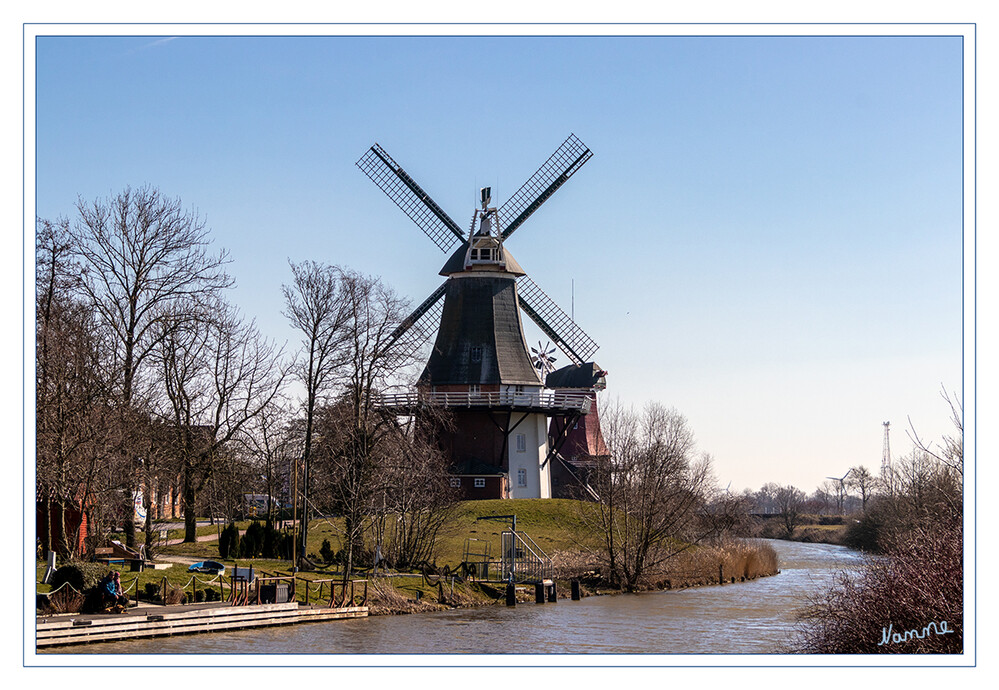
point(526, 453)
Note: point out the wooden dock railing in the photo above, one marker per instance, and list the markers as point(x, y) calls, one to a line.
point(336, 593)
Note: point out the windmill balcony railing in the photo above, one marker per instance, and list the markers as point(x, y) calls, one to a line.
point(542, 401)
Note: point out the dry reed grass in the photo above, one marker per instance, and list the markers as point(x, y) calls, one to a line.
point(383, 599)
point(739, 560)
point(66, 600)
point(743, 559)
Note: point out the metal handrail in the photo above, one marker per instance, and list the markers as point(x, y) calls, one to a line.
point(537, 566)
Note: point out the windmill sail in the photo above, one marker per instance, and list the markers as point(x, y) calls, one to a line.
point(410, 197)
point(567, 159)
point(422, 323)
point(554, 322)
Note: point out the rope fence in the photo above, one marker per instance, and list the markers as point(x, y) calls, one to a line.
point(240, 588)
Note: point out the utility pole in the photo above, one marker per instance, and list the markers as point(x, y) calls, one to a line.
point(886, 460)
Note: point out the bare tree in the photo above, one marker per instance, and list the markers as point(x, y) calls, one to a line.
point(650, 491)
point(71, 405)
point(726, 514)
point(371, 358)
point(950, 451)
point(862, 481)
point(413, 500)
point(268, 441)
point(821, 498)
point(348, 359)
point(766, 498)
point(789, 502)
point(140, 253)
point(218, 374)
point(315, 305)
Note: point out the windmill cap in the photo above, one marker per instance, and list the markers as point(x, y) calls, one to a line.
point(456, 264)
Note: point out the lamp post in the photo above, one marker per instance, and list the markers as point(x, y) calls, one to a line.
point(294, 516)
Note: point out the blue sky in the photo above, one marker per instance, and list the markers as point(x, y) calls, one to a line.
point(768, 237)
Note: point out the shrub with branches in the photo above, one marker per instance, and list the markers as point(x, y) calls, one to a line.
point(910, 600)
point(919, 582)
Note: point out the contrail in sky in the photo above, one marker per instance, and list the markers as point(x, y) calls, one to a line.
point(159, 42)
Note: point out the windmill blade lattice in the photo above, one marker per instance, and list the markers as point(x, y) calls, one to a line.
point(567, 159)
point(421, 325)
point(410, 197)
point(554, 322)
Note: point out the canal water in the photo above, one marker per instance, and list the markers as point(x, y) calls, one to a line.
point(744, 618)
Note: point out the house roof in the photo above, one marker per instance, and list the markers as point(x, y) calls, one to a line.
point(589, 376)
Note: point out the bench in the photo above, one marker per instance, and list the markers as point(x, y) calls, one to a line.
point(118, 554)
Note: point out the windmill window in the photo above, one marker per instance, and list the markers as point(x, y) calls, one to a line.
point(455, 482)
point(482, 254)
point(474, 388)
point(480, 483)
point(521, 477)
point(476, 353)
point(521, 444)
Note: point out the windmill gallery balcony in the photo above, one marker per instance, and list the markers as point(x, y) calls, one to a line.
point(545, 403)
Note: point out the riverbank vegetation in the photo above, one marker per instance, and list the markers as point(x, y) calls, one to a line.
point(909, 597)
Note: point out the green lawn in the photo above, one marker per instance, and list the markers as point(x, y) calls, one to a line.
point(554, 525)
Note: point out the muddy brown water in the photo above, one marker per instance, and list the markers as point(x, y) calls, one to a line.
point(744, 618)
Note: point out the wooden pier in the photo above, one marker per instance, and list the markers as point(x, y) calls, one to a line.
point(179, 620)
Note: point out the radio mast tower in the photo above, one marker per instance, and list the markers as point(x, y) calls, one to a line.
point(886, 459)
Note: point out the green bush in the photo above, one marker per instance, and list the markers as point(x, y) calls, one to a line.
point(252, 543)
point(277, 544)
point(326, 552)
point(870, 531)
point(82, 576)
point(229, 546)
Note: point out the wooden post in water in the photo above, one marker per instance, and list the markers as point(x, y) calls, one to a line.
point(721, 576)
point(539, 592)
point(574, 589)
point(511, 594)
point(552, 594)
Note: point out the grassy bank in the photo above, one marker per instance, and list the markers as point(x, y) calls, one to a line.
point(557, 526)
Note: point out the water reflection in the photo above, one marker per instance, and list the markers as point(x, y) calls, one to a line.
point(751, 617)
